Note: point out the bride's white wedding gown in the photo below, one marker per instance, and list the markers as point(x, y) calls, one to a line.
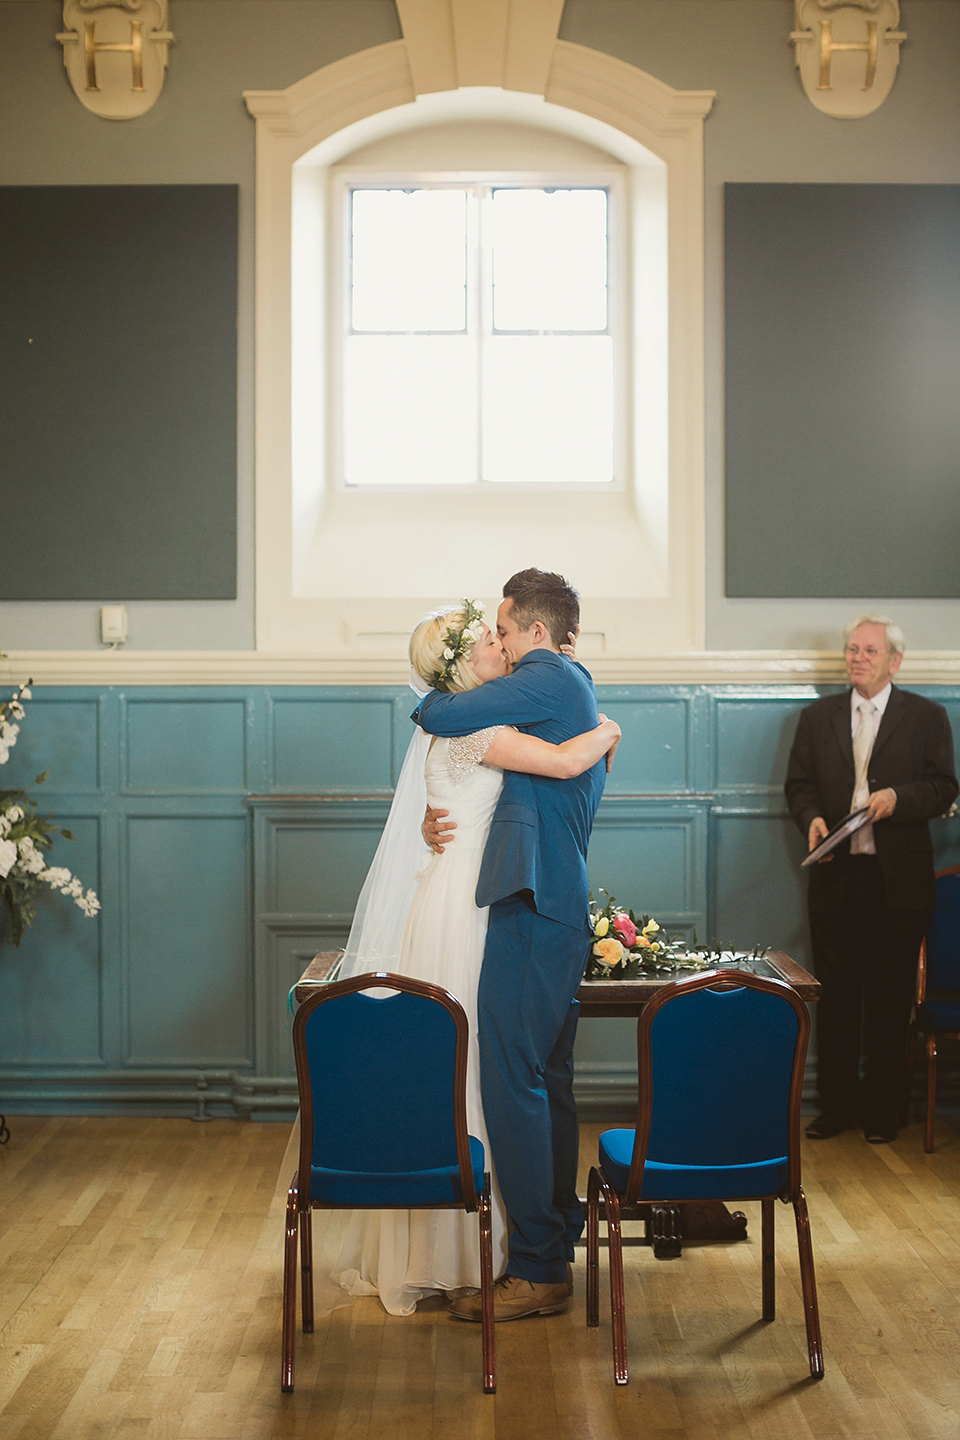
point(403, 1255)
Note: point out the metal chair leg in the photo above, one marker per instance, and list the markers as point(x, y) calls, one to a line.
point(618, 1306)
point(306, 1270)
point(486, 1291)
point(593, 1247)
point(811, 1312)
point(288, 1339)
point(931, 1111)
point(768, 1241)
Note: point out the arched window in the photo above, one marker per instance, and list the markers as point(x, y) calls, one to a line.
point(446, 491)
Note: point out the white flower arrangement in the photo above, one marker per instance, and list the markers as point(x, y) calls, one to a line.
point(25, 837)
point(625, 946)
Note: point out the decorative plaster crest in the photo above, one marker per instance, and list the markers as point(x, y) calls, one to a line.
point(847, 52)
point(115, 54)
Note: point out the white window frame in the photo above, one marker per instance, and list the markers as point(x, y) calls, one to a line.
point(349, 622)
point(346, 178)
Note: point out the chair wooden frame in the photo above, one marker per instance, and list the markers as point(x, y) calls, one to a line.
point(599, 1182)
point(299, 1220)
point(932, 1035)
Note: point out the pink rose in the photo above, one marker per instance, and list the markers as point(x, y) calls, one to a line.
point(626, 929)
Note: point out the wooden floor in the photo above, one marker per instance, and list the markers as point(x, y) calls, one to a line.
point(140, 1297)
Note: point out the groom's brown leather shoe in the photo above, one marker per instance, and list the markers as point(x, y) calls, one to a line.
point(514, 1298)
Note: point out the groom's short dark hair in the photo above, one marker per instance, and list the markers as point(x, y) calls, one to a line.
point(541, 595)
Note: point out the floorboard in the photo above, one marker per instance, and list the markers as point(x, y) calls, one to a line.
point(140, 1300)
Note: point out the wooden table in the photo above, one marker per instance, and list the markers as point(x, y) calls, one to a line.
point(607, 999)
point(666, 1227)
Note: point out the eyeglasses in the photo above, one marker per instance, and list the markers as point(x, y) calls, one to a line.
point(853, 652)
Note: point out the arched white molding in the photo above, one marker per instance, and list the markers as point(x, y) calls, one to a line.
point(479, 42)
point(359, 99)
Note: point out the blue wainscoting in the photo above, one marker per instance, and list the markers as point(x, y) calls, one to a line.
point(228, 829)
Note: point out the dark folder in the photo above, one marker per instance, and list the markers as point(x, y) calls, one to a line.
point(854, 821)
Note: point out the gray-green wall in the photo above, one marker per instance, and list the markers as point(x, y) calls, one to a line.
point(762, 127)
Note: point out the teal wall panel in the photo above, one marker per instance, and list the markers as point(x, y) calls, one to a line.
point(188, 969)
point(228, 831)
point(185, 745)
point(60, 736)
point(50, 988)
point(655, 753)
point(759, 888)
point(332, 745)
point(753, 735)
point(317, 867)
point(287, 950)
point(650, 857)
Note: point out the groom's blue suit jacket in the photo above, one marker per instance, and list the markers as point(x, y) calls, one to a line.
point(541, 827)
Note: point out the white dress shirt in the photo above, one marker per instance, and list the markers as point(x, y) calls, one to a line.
point(862, 842)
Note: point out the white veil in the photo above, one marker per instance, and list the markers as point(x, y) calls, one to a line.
point(388, 891)
point(374, 944)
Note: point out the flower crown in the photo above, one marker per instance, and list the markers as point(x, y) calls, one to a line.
point(456, 643)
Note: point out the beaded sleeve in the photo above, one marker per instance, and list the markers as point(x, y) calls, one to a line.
point(466, 751)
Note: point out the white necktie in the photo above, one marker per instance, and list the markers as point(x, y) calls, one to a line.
point(862, 746)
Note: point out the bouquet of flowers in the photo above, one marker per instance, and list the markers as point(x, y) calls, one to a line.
point(25, 837)
point(625, 947)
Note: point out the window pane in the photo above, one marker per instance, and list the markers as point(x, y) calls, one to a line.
point(410, 410)
point(548, 409)
point(408, 252)
point(549, 259)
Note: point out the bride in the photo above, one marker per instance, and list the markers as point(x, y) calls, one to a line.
point(417, 915)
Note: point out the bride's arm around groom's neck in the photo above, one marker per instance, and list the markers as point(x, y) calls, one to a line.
point(532, 692)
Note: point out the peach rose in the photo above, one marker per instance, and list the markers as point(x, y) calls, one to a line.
point(608, 952)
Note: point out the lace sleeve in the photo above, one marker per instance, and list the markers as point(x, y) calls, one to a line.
point(468, 750)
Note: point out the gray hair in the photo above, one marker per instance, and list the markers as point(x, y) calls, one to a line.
point(895, 641)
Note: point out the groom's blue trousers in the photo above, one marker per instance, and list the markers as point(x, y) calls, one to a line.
point(527, 1021)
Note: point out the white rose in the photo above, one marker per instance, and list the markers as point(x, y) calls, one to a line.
point(8, 857)
point(14, 814)
point(448, 653)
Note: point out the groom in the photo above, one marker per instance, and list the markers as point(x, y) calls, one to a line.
point(534, 878)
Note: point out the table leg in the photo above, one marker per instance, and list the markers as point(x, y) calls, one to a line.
point(668, 1227)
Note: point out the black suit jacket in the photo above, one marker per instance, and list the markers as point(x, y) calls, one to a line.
point(912, 754)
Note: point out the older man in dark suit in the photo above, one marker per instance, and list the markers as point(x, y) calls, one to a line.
point(871, 901)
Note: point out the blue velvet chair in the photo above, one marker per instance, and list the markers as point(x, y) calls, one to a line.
point(938, 986)
point(718, 1118)
point(383, 1125)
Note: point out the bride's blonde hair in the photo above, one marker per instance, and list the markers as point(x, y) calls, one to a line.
point(427, 644)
